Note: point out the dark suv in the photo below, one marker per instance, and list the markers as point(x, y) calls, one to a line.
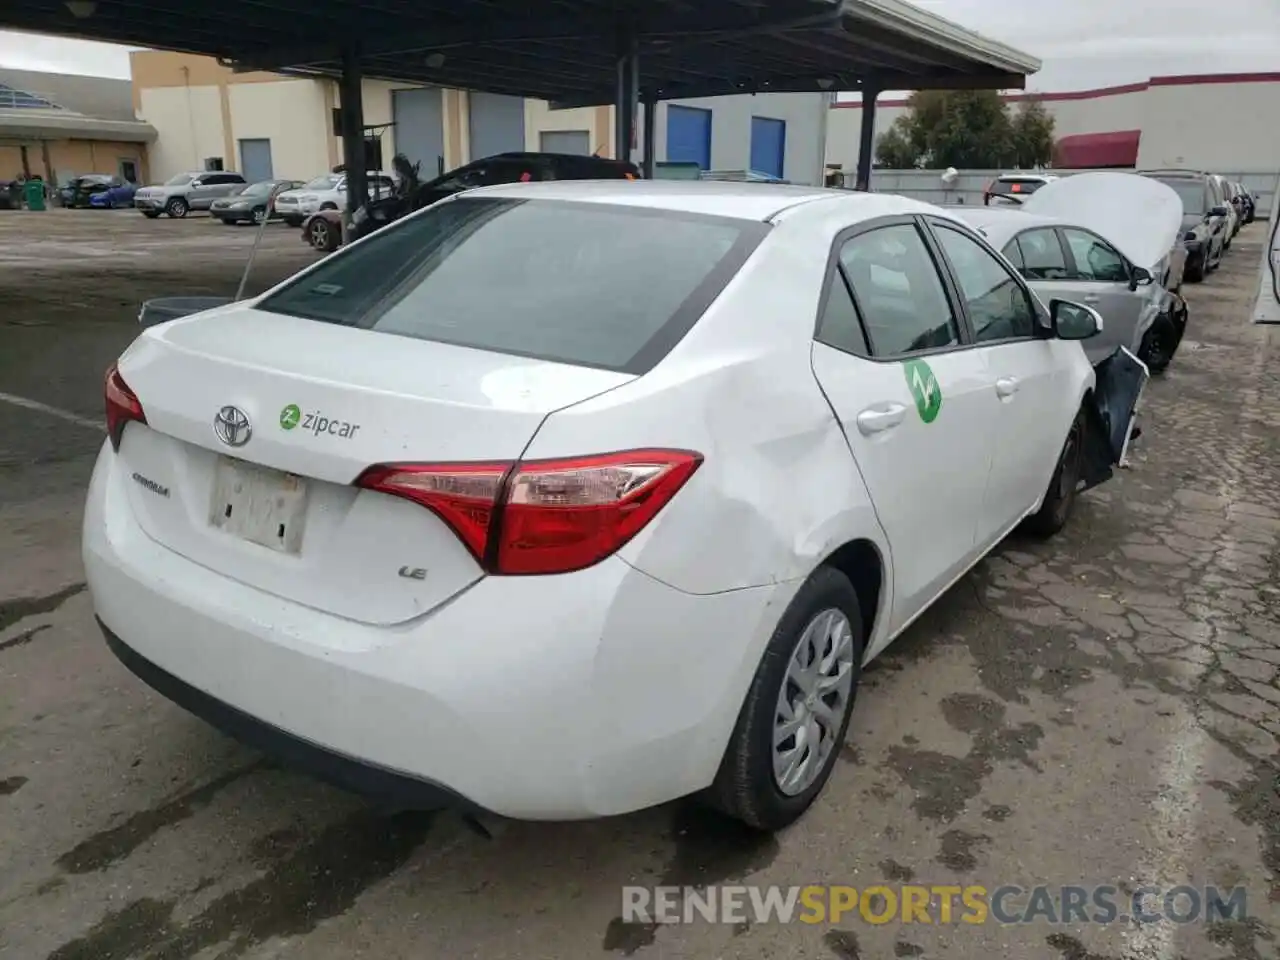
point(1205, 219)
point(500, 168)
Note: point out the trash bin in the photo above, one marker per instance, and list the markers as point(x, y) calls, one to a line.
point(164, 309)
point(35, 195)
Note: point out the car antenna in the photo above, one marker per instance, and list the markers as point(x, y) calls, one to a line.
point(257, 239)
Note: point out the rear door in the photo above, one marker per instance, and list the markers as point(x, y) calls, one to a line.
point(915, 400)
point(1100, 275)
point(1027, 379)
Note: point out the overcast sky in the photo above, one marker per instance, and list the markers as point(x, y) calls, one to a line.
point(1083, 43)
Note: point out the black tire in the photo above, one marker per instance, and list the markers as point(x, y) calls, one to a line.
point(328, 206)
point(323, 235)
point(177, 208)
point(1059, 499)
point(1158, 346)
point(292, 221)
point(151, 214)
point(259, 214)
point(1194, 272)
point(745, 787)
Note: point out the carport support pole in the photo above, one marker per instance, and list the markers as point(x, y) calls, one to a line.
point(628, 96)
point(650, 125)
point(867, 139)
point(352, 98)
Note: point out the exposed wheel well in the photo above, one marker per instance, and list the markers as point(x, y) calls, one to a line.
point(860, 561)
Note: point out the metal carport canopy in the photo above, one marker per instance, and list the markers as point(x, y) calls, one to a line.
point(565, 51)
point(570, 52)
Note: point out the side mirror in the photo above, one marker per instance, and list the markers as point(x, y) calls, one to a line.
point(1140, 277)
point(1074, 321)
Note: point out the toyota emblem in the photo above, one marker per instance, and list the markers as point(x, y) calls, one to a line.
point(232, 426)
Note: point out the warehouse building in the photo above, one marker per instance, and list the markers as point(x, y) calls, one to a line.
point(1219, 122)
point(273, 125)
point(56, 127)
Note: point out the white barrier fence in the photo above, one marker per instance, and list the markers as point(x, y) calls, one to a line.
point(927, 184)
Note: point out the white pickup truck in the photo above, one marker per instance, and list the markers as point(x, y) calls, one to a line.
point(327, 192)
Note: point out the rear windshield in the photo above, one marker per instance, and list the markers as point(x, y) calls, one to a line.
point(595, 285)
point(1019, 188)
point(1190, 192)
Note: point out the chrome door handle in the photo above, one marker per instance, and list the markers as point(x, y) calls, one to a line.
point(879, 418)
point(1007, 386)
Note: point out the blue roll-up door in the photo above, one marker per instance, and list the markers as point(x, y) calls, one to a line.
point(768, 145)
point(689, 136)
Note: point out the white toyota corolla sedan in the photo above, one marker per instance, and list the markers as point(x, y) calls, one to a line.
point(562, 500)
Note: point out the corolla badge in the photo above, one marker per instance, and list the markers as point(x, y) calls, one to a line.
point(232, 426)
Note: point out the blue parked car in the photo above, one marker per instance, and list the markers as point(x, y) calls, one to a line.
point(118, 194)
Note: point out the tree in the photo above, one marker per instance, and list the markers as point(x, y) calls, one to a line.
point(1033, 134)
point(966, 128)
point(894, 148)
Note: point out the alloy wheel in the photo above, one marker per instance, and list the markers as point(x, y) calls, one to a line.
point(811, 705)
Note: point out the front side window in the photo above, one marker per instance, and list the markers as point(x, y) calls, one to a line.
point(996, 302)
point(1095, 259)
point(1042, 256)
point(180, 180)
point(581, 283)
point(898, 291)
point(328, 182)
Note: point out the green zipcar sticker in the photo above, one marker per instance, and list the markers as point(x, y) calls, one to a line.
point(924, 387)
point(290, 416)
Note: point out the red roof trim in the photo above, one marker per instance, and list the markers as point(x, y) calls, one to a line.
point(1170, 81)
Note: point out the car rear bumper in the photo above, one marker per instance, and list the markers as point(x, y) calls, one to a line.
point(560, 697)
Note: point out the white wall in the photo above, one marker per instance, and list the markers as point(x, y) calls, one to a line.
point(291, 114)
point(538, 116)
point(189, 123)
point(1214, 126)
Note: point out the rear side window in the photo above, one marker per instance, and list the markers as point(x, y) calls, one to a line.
point(840, 326)
point(1042, 256)
point(898, 291)
point(582, 283)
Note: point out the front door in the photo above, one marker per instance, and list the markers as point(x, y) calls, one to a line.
point(1027, 380)
point(1100, 278)
point(916, 404)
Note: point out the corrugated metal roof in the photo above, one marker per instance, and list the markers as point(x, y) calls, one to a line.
point(565, 50)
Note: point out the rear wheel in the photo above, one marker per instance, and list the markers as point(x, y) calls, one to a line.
point(793, 722)
point(323, 235)
point(1158, 346)
point(176, 208)
point(1055, 510)
point(1194, 272)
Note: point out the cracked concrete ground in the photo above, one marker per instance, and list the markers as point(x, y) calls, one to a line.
point(1099, 710)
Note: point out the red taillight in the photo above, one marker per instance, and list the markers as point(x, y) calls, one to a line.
point(122, 406)
point(543, 516)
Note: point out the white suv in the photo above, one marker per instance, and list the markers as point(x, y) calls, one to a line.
point(327, 192)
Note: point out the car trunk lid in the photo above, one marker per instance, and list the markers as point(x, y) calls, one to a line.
point(258, 424)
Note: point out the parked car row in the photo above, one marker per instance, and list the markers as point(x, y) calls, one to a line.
point(1214, 209)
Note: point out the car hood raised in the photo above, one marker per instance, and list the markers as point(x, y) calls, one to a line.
point(1141, 216)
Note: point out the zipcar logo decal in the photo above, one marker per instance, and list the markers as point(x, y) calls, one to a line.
point(315, 423)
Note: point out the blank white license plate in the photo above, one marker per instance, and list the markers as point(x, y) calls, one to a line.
point(258, 504)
